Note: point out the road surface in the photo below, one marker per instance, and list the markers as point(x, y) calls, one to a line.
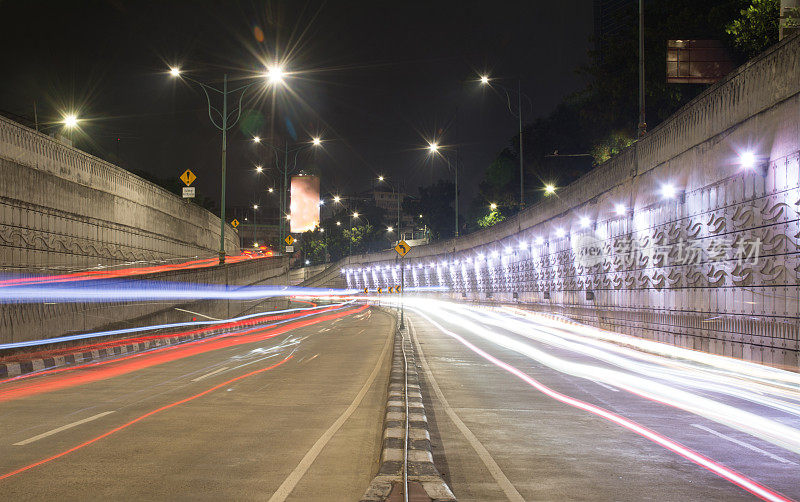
point(293, 412)
point(528, 408)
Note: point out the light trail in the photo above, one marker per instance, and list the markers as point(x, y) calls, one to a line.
point(136, 362)
point(88, 275)
point(726, 473)
point(765, 428)
point(216, 324)
point(138, 419)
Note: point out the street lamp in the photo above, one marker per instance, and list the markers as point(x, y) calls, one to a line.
point(492, 206)
point(255, 228)
point(549, 189)
point(434, 149)
point(223, 124)
point(484, 79)
point(70, 121)
point(396, 194)
point(286, 170)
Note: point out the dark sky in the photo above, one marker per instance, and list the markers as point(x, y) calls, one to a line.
point(376, 79)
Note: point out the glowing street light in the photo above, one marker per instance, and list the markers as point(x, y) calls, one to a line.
point(389, 229)
point(336, 198)
point(175, 71)
point(433, 149)
point(338, 223)
point(256, 139)
point(355, 215)
point(585, 221)
point(748, 160)
point(620, 209)
point(492, 206)
point(259, 169)
point(316, 141)
point(70, 121)
point(668, 191)
point(380, 178)
point(275, 74)
point(484, 79)
point(560, 233)
point(270, 189)
point(549, 189)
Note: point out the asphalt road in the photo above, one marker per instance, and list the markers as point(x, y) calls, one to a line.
point(288, 413)
point(533, 409)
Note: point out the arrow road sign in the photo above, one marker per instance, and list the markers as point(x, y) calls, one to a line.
point(289, 240)
point(402, 248)
point(188, 177)
point(235, 223)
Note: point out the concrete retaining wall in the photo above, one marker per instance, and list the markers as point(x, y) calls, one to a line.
point(63, 208)
point(715, 267)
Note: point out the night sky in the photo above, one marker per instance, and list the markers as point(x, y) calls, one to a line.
point(375, 79)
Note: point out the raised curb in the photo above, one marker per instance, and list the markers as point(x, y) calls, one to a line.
point(421, 468)
point(13, 369)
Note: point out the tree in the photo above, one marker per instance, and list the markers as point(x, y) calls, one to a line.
point(756, 28)
point(493, 218)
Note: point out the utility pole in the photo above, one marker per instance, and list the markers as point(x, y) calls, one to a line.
point(642, 123)
point(521, 170)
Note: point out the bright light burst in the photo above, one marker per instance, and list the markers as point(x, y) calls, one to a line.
point(71, 120)
point(275, 74)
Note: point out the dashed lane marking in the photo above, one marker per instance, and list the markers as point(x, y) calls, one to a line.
point(62, 428)
point(743, 444)
point(202, 377)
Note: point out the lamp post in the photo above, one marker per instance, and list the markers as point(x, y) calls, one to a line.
point(396, 194)
point(434, 149)
point(485, 80)
point(274, 76)
point(255, 226)
point(315, 142)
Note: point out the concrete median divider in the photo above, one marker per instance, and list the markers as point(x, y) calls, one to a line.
point(406, 438)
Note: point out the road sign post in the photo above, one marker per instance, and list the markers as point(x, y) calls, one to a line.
point(402, 248)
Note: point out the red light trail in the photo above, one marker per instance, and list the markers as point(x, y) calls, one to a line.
point(139, 418)
point(145, 360)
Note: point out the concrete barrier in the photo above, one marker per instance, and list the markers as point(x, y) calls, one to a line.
point(63, 208)
point(35, 321)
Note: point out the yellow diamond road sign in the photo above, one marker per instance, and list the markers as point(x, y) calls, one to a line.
point(402, 248)
point(188, 177)
point(289, 240)
point(235, 223)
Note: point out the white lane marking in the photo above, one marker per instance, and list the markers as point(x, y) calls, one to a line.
point(601, 384)
point(218, 370)
point(197, 313)
point(494, 469)
point(746, 445)
point(324, 330)
point(62, 428)
point(294, 477)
